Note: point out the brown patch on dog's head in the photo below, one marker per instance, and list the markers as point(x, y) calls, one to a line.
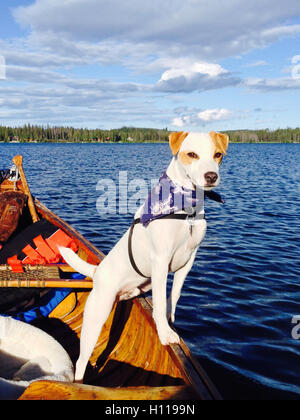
point(187, 158)
point(221, 142)
point(176, 140)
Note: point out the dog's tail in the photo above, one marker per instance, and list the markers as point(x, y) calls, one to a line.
point(76, 262)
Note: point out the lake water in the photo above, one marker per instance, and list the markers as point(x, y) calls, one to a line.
point(238, 301)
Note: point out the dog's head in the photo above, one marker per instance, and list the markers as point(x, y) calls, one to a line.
point(200, 156)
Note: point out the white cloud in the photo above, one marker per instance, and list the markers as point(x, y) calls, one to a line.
point(180, 121)
point(203, 117)
point(189, 77)
point(214, 115)
point(273, 85)
point(190, 69)
point(259, 63)
point(32, 74)
point(193, 28)
point(291, 82)
point(281, 31)
point(78, 102)
point(176, 43)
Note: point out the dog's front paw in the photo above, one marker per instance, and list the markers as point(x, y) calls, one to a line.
point(168, 336)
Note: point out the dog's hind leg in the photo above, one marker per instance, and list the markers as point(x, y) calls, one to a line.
point(97, 309)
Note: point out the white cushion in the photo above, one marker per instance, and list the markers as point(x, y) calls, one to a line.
point(28, 354)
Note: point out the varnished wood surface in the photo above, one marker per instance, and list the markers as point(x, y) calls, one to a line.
point(44, 390)
point(18, 161)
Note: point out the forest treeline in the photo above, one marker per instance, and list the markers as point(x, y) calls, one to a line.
point(29, 133)
point(35, 133)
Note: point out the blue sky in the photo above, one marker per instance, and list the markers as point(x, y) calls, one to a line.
point(193, 65)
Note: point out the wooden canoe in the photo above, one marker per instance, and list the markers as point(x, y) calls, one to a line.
point(128, 362)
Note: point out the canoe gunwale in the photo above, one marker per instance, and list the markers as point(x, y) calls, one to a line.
point(182, 356)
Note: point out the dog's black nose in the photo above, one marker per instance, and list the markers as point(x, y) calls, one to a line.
point(211, 177)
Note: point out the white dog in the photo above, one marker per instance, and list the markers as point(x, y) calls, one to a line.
point(159, 245)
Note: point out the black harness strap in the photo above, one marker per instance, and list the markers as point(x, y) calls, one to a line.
point(134, 266)
point(137, 221)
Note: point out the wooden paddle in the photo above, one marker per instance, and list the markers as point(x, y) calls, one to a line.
point(18, 161)
point(47, 284)
point(47, 276)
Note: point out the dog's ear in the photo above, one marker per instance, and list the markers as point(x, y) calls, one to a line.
point(176, 140)
point(220, 140)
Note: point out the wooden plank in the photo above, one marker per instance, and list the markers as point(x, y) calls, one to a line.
point(48, 390)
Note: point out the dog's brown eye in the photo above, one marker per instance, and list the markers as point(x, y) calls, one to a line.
point(193, 155)
point(218, 155)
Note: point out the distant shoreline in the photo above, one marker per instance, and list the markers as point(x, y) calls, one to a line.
point(135, 142)
point(36, 133)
